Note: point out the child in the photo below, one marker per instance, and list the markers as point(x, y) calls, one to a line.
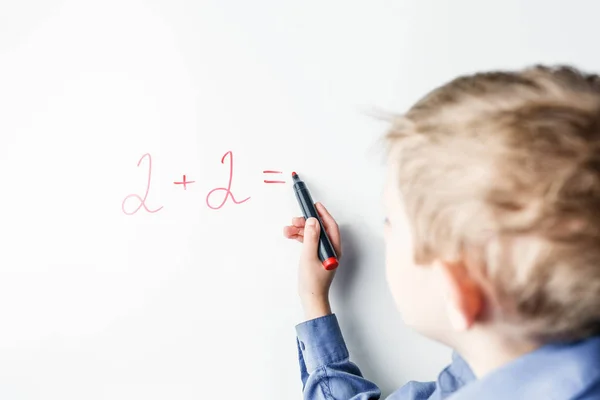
point(494, 179)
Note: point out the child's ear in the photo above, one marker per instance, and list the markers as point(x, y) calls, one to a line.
point(463, 295)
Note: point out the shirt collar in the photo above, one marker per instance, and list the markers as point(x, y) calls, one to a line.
point(558, 371)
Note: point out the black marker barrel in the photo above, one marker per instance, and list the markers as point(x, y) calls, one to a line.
point(326, 252)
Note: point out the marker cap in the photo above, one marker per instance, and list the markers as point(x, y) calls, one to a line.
point(331, 263)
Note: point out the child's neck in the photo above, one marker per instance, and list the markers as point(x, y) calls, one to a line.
point(485, 351)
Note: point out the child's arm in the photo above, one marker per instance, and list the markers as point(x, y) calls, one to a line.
point(326, 370)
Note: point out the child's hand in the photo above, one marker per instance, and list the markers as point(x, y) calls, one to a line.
point(314, 280)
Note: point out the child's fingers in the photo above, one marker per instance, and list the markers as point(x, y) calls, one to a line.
point(299, 222)
point(326, 218)
point(333, 231)
point(299, 238)
point(291, 232)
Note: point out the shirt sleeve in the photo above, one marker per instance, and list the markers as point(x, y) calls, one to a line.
point(325, 368)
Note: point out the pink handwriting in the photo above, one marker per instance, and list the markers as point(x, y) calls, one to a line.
point(227, 190)
point(184, 182)
point(269, 171)
point(142, 201)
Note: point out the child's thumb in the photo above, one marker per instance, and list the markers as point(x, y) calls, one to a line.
point(311, 237)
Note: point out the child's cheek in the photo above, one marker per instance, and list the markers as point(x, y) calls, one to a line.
point(412, 286)
point(398, 269)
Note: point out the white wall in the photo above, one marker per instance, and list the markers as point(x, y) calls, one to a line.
point(190, 302)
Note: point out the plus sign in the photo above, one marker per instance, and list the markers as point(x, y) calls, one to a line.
point(184, 183)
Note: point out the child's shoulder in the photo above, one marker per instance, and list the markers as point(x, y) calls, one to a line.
point(557, 371)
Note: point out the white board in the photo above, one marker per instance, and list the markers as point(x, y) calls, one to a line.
point(189, 301)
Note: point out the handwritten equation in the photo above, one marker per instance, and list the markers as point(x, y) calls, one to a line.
point(132, 203)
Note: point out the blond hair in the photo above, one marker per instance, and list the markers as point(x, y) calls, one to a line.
point(503, 168)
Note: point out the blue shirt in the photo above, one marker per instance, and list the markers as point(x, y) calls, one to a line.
point(552, 372)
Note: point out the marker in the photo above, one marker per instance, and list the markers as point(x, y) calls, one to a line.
point(326, 251)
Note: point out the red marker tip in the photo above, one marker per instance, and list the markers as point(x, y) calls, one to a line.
point(294, 174)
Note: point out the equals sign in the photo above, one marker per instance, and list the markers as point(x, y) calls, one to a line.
point(272, 172)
